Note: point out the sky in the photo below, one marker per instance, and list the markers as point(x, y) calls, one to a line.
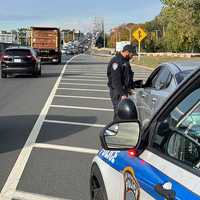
point(77, 14)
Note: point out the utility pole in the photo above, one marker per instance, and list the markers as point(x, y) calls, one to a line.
point(103, 31)
point(130, 33)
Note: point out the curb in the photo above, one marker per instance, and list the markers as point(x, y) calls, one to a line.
point(132, 64)
point(142, 66)
point(102, 55)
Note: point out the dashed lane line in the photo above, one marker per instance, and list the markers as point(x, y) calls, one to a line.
point(88, 80)
point(81, 108)
point(89, 74)
point(83, 84)
point(86, 89)
point(86, 76)
point(16, 173)
point(66, 148)
point(74, 123)
point(82, 97)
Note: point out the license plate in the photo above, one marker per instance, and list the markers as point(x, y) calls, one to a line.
point(17, 60)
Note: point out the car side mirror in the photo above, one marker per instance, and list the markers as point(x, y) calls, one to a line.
point(139, 84)
point(120, 136)
point(127, 110)
point(162, 85)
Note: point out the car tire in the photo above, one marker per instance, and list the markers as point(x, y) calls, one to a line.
point(3, 75)
point(97, 187)
point(37, 72)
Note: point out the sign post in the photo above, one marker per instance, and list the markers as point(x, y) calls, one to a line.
point(139, 35)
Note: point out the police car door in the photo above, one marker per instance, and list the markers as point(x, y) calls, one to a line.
point(171, 164)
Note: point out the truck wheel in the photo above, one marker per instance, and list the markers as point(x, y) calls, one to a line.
point(3, 75)
point(97, 187)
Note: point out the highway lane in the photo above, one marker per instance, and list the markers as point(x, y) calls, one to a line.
point(21, 100)
point(78, 106)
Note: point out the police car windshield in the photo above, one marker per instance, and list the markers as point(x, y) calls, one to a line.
point(186, 116)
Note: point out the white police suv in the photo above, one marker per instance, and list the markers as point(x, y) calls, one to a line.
point(161, 161)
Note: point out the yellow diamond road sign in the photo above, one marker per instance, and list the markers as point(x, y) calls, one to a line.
point(139, 34)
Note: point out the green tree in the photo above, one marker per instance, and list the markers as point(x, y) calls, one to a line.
point(181, 19)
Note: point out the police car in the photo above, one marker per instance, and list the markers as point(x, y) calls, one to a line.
point(161, 161)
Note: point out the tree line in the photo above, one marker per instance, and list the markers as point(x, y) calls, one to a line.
point(175, 29)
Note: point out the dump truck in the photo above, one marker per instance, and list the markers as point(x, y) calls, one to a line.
point(46, 42)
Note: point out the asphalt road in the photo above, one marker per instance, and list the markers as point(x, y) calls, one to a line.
point(49, 129)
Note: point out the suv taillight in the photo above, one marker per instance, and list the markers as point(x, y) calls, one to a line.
point(31, 57)
point(4, 57)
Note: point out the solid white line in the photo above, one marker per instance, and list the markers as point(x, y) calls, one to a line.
point(19, 195)
point(86, 76)
point(86, 84)
point(16, 173)
point(78, 89)
point(86, 70)
point(82, 97)
point(75, 123)
point(86, 73)
point(88, 80)
point(81, 108)
point(89, 68)
point(66, 148)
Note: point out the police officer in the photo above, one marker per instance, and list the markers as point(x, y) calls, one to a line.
point(120, 77)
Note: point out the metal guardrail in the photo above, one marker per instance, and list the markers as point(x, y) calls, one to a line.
point(110, 51)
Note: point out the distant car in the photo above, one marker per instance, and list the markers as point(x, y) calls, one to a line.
point(20, 60)
point(159, 162)
point(64, 50)
point(161, 83)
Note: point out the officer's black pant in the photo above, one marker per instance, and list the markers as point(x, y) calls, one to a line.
point(115, 98)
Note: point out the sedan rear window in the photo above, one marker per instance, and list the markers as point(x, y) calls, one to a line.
point(182, 75)
point(18, 52)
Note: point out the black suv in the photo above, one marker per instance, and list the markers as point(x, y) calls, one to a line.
point(20, 60)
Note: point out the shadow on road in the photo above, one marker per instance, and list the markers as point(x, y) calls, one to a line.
point(15, 130)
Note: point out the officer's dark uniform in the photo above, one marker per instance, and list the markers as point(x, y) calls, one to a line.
point(120, 80)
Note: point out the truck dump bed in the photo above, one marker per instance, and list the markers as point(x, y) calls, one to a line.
point(45, 38)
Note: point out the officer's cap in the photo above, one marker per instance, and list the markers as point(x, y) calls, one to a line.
point(129, 48)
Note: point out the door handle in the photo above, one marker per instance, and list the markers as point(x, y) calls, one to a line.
point(165, 191)
point(154, 100)
point(143, 95)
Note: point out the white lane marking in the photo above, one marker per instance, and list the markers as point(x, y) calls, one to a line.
point(81, 108)
point(74, 123)
point(78, 89)
point(20, 195)
point(16, 173)
point(86, 76)
point(102, 70)
point(66, 148)
point(89, 70)
point(92, 71)
point(82, 97)
point(88, 80)
point(96, 74)
point(86, 84)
